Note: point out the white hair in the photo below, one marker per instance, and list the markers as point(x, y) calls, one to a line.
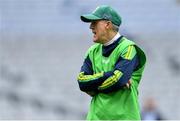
point(115, 27)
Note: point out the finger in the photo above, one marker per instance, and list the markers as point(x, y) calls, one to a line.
point(127, 85)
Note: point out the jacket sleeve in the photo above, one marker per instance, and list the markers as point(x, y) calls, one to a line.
point(87, 80)
point(123, 70)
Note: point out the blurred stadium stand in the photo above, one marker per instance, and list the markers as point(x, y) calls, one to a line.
point(43, 42)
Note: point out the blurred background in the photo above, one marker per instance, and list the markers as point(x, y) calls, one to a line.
point(43, 43)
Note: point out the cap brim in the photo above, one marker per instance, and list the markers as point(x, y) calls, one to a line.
point(89, 18)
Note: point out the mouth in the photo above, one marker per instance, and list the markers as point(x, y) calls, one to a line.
point(94, 32)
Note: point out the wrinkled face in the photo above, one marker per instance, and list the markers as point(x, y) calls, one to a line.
point(99, 30)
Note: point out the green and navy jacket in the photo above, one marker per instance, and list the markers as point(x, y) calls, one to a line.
point(105, 72)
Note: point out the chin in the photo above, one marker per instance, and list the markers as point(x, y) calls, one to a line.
point(96, 41)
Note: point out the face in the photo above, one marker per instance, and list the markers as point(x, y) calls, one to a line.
point(99, 30)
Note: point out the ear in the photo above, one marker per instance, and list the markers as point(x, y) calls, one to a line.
point(108, 24)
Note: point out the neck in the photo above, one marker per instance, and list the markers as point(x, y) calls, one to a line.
point(112, 38)
point(110, 35)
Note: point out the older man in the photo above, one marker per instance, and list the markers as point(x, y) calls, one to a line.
point(112, 69)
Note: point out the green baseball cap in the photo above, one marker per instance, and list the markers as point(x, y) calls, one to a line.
point(103, 12)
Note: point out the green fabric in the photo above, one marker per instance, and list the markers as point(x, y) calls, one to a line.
point(122, 104)
point(103, 12)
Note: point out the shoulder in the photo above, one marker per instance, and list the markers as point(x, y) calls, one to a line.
point(131, 49)
point(126, 48)
point(126, 42)
point(129, 52)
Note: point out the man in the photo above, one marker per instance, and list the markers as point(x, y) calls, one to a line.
point(112, 69)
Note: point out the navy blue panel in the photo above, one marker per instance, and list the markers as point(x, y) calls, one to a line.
point(87, 67)
point(108, 74)
point(90, 85)
point(107, 50)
